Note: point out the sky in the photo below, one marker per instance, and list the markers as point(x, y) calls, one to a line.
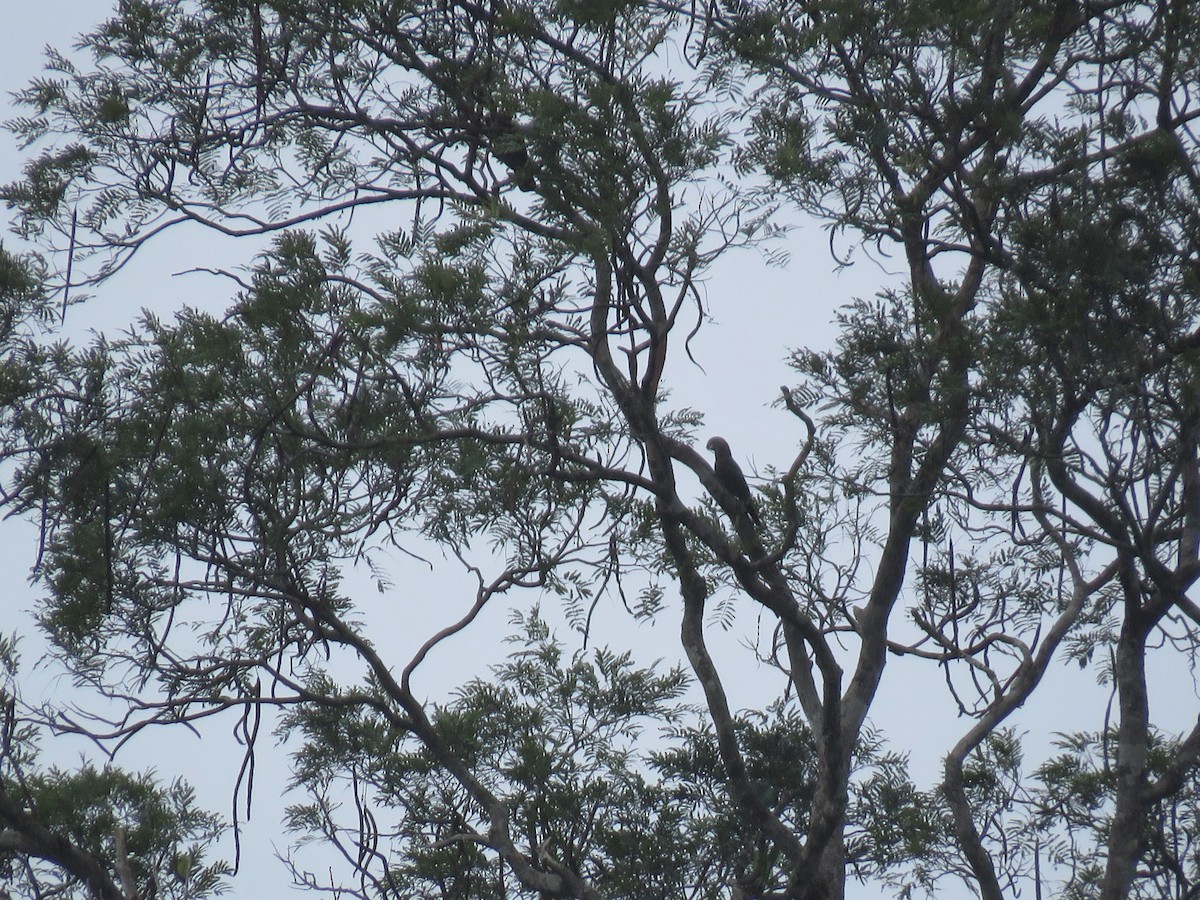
point(796, 303)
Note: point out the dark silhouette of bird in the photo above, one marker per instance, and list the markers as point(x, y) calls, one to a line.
point(509, 146)
point(729, 473)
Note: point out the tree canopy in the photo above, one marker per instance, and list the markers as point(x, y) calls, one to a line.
point(479, 236)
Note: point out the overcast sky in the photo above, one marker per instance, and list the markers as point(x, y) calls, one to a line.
point(760, 313)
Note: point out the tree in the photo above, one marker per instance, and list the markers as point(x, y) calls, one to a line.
point(106, 832)
point(1006, 440)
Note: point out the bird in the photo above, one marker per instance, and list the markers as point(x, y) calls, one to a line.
point(508, 145)
point(729, 473)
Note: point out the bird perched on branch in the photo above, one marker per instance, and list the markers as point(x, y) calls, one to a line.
point(729, 473)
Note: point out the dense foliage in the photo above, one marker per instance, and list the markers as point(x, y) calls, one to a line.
point(480, 234)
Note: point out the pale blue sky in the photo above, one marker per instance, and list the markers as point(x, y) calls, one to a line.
point(741, 359)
